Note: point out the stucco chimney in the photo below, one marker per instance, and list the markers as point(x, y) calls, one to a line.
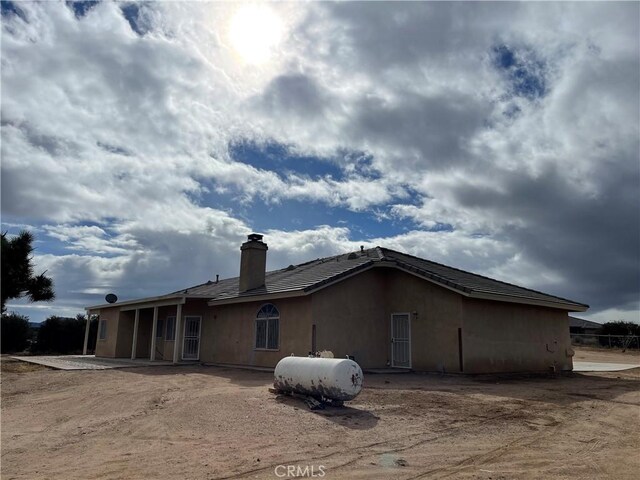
point(253, 263)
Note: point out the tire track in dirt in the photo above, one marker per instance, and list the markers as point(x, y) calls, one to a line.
point(432, 436)
point(592, 396)
point(522, 443)
point(481, 458)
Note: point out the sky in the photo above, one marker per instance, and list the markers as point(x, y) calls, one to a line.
point(142, 142)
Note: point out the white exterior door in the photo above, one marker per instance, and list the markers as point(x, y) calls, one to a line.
point(401, 340)
point(191, 342)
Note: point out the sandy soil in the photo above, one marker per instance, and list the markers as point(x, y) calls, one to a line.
point(208, 422)
point(616, 355)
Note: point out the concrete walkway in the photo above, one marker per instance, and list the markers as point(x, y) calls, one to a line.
point(90, 362)
point(602, 367)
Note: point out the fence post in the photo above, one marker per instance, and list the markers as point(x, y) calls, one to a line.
point(609, 340)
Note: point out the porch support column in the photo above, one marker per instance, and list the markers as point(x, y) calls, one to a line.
point(86, 334)
point(176, 343)
point(152, 357)
point(135, 334)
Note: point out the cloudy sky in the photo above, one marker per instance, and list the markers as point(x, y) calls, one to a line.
point(142, 142)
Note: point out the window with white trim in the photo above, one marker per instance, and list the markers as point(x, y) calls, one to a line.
point(102, 330)
point(171, 328)
point(268, 328)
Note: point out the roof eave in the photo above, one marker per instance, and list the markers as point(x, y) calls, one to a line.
point(570, 307)
point(141, 303)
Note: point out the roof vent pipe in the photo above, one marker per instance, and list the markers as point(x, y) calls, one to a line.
point(253, 263)
point(217, 278)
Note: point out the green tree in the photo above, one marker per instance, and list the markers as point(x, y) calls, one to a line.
point(18, 279)
point(65, 335)
point(15, 333)
point(612, 333)
point(620, 328)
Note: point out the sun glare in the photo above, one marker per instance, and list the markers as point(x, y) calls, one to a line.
point(254, 32)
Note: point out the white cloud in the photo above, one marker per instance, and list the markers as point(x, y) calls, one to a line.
point(612, 315)
point(112, 141)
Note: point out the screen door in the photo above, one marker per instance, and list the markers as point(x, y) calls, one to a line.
point(191, 344)
point(400, 340)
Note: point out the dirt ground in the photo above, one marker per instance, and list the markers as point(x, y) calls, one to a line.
point(616, 355)
point(207, 422)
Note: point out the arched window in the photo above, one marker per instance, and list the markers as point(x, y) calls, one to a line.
point(268, 327)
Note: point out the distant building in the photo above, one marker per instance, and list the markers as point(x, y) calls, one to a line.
point(580, 326)
point(385, 308)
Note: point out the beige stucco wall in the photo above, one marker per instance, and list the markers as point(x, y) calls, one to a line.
point(228, 333)
point(354, 318)
point(509, 337)
point(107, 347)
point(436, 316)
point(125, 334)
point(351, 319)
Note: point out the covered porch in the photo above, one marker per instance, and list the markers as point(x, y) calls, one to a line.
point(153, 329)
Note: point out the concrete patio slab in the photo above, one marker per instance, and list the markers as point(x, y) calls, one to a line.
point(89, 362)
point(602, 367)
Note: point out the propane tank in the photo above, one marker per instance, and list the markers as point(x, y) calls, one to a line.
point(332, 378)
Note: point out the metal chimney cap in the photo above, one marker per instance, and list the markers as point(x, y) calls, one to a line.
point(255, 237)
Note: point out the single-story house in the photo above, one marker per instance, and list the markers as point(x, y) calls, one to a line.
point(385, 308)
point(581, 326)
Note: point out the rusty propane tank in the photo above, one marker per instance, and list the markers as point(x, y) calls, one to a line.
point(332, 378)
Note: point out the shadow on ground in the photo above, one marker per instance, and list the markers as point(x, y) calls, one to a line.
point(345, 416)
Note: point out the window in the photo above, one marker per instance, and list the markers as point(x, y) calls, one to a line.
point(102, 330)
point(159, 328)
point(268, 327)
point(171, 328)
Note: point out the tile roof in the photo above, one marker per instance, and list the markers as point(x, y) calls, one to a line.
point(471, 283)
point(302, 277)
point(312, 275)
